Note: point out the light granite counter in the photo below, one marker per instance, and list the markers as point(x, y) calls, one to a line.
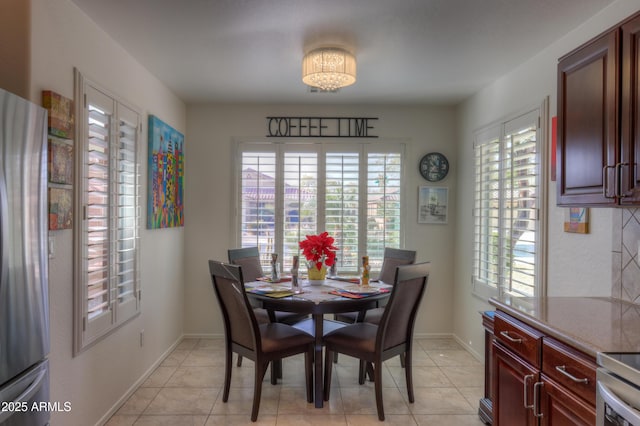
point(589, 324)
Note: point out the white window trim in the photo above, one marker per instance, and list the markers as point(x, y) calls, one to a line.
point(86, 334)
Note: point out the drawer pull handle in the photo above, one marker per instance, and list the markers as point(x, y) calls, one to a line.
point(505, 334)
point(537, 411)
point(526, 391)
point(562, 369)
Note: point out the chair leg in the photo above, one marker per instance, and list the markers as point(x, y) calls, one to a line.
point(308, 371)
point(409, 376)
point(369, 370)
point(402, 361)
point(328, 361)
point(260, 370)
point(227, 375)
point(377, 374)
point(362, 366)
point(239, 360)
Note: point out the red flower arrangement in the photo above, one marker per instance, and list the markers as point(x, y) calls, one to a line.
point(319, 249)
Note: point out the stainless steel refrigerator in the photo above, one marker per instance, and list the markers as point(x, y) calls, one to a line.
point(24, 299)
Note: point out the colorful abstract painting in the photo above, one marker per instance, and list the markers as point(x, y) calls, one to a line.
point(60, 208)
point(166, 174)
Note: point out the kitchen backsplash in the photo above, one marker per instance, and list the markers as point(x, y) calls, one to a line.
point(626, 261)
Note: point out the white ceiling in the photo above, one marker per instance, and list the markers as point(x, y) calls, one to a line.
point(408, 51)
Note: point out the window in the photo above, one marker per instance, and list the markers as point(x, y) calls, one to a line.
point(507, 231)
point(107, 285)
point(288, 191)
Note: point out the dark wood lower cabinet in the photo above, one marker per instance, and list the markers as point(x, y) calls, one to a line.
point(560, 407)
point(513, 383)
point(485, 408)
point(536, 379)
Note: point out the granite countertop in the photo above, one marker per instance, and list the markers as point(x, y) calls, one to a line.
point(589, 324)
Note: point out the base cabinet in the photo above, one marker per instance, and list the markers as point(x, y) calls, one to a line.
point(513, 389)
point(560, 407)
point(537, 380)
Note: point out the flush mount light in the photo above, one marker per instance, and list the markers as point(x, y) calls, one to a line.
point(329, 68)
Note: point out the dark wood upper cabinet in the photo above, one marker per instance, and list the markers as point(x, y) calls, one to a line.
point(599, 122)
point(630, 118)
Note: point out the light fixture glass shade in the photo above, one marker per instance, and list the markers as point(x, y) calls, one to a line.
point(329, 68)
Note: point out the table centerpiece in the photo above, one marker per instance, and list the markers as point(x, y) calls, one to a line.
point(320, 253)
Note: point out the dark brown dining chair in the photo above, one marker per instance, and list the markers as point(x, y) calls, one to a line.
point(262, 343)
point(392, 258)
point(372, 343)
point(249, 259)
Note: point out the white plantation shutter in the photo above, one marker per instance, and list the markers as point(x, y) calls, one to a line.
point(351, 191)
point(487, 207)
point(107, 272)
point(299, 193)
point(342, 206)
point(507, 201)
point(384, 179)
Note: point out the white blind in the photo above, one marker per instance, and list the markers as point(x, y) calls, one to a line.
point(506, 205)
point(108, 224)
point(342, 206)
point(353, 194)
point(384, 180)
point(300, 199)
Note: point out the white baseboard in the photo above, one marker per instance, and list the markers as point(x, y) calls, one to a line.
point(137, 384)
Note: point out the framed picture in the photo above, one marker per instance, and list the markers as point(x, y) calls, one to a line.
point(60, 161)
point(60, 208)
point(165, 207)
point(433, 204)
point(576, 220)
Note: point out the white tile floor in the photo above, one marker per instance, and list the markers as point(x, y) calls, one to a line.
point(187, 390)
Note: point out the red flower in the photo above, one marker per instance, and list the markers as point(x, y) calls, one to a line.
point(319, 249)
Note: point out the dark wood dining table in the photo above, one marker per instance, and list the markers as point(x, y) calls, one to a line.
point(317, 301)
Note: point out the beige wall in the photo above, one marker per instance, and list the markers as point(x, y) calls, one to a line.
point(97, 379)
point(578, 265)
point(212, 130)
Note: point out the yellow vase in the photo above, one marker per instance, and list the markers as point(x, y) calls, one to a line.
point(316, 274)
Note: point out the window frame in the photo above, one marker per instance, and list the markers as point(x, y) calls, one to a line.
point(500, 130)
point(322, 147)
point(122, 217)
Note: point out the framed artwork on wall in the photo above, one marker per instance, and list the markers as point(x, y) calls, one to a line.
point(433, 204)
point(165, 205)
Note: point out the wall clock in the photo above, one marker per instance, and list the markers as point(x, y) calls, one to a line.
point(434, 167)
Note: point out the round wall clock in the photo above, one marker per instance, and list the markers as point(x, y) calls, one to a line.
point(434, 167)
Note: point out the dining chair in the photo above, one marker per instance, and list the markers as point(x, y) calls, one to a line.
point(392, 258)
point(262, 343)
point(249, 259)
point(393, 336)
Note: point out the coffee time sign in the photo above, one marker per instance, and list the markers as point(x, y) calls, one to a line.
point(320, 127)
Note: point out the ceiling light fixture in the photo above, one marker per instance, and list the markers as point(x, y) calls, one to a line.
point(329, 68)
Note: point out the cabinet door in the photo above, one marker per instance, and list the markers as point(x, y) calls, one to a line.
point(512, 377)
point(630, 119)
point(559, 407)
point(588, 130)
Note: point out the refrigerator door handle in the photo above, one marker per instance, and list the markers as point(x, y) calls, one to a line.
point(26, 395)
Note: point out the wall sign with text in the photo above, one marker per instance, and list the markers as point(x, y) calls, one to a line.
point(320, 127)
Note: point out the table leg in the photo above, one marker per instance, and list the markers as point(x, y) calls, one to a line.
point(318, 379)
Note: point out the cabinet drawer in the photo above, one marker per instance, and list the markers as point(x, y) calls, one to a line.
point(570, 368)
point(519, 337)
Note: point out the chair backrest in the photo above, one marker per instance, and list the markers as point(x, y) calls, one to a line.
point(398, 319)
point(391, 260)
point(240, 323)
point(249, 259)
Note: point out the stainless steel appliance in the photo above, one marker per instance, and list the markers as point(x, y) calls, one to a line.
point(618, 389)
point(24, 299)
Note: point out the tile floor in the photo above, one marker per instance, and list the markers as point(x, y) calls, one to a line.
point(186, 389)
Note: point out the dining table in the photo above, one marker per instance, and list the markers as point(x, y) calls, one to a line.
point(330, 296)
